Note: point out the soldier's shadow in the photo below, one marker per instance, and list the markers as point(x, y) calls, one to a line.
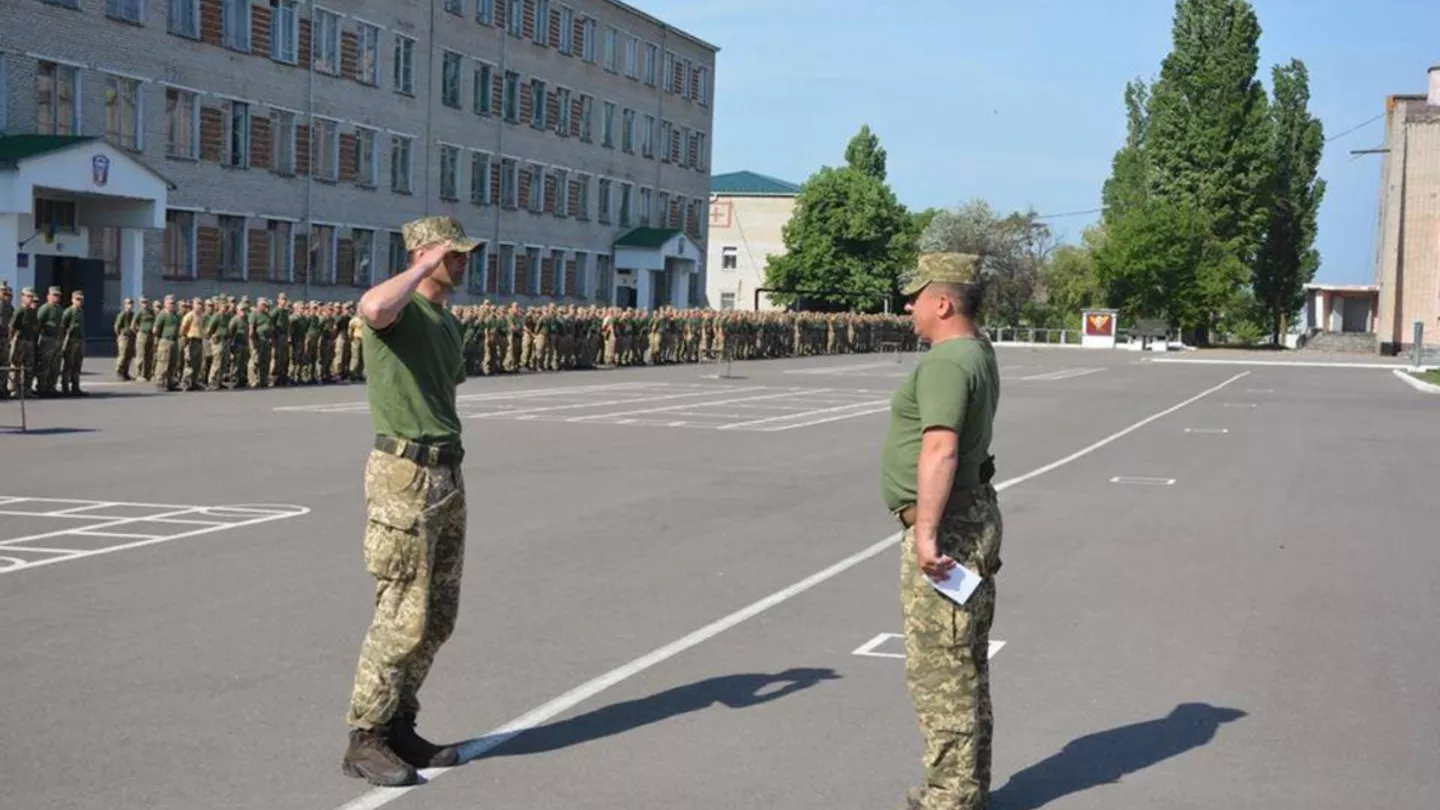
point(732, 691)
point(1106, 756)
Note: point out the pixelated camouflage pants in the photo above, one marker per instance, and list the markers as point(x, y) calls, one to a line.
point(947, 670)
point(415, 550)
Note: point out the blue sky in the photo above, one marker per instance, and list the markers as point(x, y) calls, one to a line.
point(1019, 102)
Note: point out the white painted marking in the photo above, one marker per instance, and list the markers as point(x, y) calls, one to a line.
point(1416, 383)
point(1142, 480)
point(519, 393)
point(11, 562)
point(1241, 405)
point(105, 525)
point(380, 796)
point(636, 400)
point(813, 422)
point(121, 535)
point(840, 370)
point(606, 416)
point(1063, 374)
point(869, 647)
point(72, 510)
point(1207, 430)
point(1292, 363)
point(851, 406)
point(1259, 390)
point(44, 550)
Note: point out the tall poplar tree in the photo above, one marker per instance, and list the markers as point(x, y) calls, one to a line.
point(1288, 259)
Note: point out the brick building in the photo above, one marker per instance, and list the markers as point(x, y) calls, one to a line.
point(254, 146)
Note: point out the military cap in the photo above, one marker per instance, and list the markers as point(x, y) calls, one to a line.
point(30, 291)
point(54, 290)
point(144, 300)
point(945, 268)
point(429, 230)
point(126, 300)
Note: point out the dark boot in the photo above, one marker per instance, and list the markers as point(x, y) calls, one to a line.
point(371, 759)
point(418, 751)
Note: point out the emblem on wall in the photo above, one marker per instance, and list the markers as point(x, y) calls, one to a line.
point(1099, 323)
point(100, 169)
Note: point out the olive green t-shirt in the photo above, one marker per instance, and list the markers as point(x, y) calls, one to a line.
point(956, 384)
point(168, 325)
point(411, 370)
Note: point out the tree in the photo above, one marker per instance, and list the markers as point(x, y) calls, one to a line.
point(1070, 281)
point(1288, 259)
point(1013, 250)
point(847, 233)
point(1150, 260)
point(1129, 183)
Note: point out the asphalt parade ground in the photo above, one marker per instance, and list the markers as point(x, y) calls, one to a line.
point(681, 591)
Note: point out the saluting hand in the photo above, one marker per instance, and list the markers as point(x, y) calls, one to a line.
point(432, 256)
point(927, 555)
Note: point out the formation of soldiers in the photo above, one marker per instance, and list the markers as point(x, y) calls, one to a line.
point(209, 344)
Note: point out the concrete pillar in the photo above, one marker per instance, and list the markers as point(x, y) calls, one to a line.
point(680, 286)
point(132, 263)
point(9, 253)
point(642, 289)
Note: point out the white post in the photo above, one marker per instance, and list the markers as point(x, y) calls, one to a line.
point(9, 253)
point(132, 263)
point(680, 295)
point(642, 289)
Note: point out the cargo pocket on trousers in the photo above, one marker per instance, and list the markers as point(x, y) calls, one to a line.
point(394, 548)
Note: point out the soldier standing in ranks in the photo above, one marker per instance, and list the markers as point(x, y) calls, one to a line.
point(259, 336)
point(192, 345)
point(47, 349)
point(72, 345)
point(216, 330)
point(299, 328)
point(7, 313)
point(936, 469)
point(314, 331)
point(340, 344)
point(280, 356)
point(143, 328)
point(357, 348)
point(24, 334)
point(124, 339)
point(237, 336)
point(167, 351)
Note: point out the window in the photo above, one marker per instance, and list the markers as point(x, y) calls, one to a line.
point(127, 10)
point(668, 80)
point(400, 159)
point(582, 273)
point(515, 18)
point(700, 161)
point(449, 171)
point(237, 135)
point(539, 110)
point(404, 76)
point(662, 210)
point(485, 11)
point(582, 197)
point(450, 80)
point(562, 192)
point(325, 42)
point(652, 60)
point(478, 265)
point(280, 244)
point(325, 149)
point(61, 213)
point(3, 87)
point(509, 182)
point(729, 258)
point(645, 195)
point(647, 137)
point(480, 178)
point(604, 208)
point(232, 247)
point(57, 99)
point(366, 161)
point(625, 192)
point(532, 266)
point(284, 31)
point(536, 202)
point(607, 126)
point(184, 18)
point(179, 258)
point(182, 121)
point(368, 37)
point(587, 39)
point(363, 242)
point(632, 61)
point(567, 30)
point(322, 253)
point(512, 96)
point(507, 269)
point(587, 118)
point(562, 96)
point(484, 91)
point(627, 134)
point(727, 301)
point(612, 37)
point(456, 7)
point(542, 22)
point(122, 111)
point(702, 90)
point(282, 146)
point(235, 24)
point(667, 135)
point(397, 261)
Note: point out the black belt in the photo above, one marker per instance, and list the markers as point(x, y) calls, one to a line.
point(427, 454)
point(906, 514)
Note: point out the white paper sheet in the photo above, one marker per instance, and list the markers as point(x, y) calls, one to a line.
point(958, 587)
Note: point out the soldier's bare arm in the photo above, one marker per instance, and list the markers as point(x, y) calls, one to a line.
point(381, 304)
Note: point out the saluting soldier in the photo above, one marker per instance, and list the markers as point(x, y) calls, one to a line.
point(936, 469)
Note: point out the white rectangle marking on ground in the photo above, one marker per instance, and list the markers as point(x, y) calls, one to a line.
point(1142, 480)
point(1207, 430)
point(869, 648)
point(381, 796)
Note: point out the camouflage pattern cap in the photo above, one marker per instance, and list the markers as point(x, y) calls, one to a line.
point(946, 268)
point(54, 290)
point(429, 230)
point(30, 291)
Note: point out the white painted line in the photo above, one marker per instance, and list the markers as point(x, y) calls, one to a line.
point(840, 370)
point(4, 501)
point(106, 525)
point(1207, 430)
point(12, 562)
point(1417, 384)
point(868, 648)
point(380, 796)
point(681, 407)
point(1288, 363)
point(1143, 481)
point(44, 550)
point(1063, 374)
point(519, 393)
point(1259, 390)
point(813, 422)
point(18, 513)
point(851, 406)
point(72, 510)
point(84, 533)
point(1241, 405)
point(515, 413)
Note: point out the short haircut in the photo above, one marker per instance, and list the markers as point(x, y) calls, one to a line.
point(968, 297)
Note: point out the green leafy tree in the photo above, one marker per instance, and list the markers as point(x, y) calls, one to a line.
point(1071, 282)
point(1288, 258)
point(848, 233)
point(1129, 183)
point(1014, 250)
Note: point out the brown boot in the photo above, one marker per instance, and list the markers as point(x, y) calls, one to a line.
point(369, 757)
point(418, 751)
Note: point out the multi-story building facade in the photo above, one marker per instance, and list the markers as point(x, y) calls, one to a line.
point(253, 146)
point(1407, 261)
point(748, 212)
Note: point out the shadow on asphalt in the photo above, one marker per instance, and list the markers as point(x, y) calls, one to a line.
point(43, 431)
point(732, 691)
point(1104, 757)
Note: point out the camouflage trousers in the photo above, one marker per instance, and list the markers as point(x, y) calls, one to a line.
point(947, 667)
point(415, 550)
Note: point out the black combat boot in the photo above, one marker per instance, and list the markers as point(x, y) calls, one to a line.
point(418, 751)
point(369, 757)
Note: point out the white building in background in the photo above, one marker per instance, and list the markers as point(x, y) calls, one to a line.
point(747, 214)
